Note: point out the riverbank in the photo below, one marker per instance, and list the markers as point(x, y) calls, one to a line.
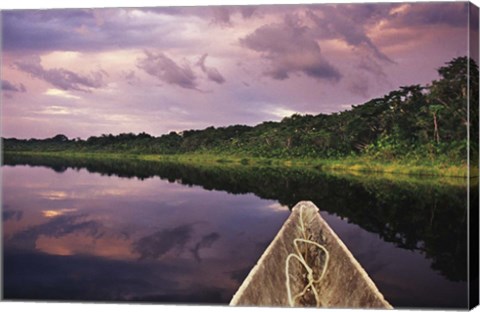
point(353, 164)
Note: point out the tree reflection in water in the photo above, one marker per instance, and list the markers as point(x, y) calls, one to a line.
point(428, 217)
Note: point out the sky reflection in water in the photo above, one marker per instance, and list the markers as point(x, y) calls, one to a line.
point(126, 239)
point(77, 235)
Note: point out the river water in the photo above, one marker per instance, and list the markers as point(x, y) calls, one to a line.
point(84, 230)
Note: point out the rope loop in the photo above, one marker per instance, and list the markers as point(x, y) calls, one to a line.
point(301, 259)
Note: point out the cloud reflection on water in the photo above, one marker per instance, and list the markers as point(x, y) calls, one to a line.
point(149, 234)
point(393, 228)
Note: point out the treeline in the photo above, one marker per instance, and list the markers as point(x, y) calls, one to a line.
point(415, 121)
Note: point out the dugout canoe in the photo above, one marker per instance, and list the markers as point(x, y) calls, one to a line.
point(306, 242)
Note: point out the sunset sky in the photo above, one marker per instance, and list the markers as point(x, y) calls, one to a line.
point(83, 72)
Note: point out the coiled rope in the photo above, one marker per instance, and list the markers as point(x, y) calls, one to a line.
point(299, 256)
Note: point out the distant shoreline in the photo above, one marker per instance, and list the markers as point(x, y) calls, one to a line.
point(359, 164)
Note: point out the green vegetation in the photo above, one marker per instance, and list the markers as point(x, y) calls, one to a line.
point(348, 165)
point(413, 130)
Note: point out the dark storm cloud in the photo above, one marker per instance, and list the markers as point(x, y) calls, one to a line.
point(8, 86)
point(290, 48)
point(348, 24)
point(164, 68)
point(62, 78)
point(212, 73)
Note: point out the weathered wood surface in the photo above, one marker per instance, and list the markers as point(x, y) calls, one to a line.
point(344, 285)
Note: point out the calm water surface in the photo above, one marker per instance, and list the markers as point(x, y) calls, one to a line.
point(137, 231)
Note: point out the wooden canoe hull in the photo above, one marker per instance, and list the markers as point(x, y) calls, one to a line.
point(345, 283)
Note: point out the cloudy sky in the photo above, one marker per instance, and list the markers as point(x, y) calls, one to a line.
point(84, 72)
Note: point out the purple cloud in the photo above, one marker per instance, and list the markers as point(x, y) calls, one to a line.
point(345, 44)
point(247, 11)
point(366, 63)
point(82, 30)
point(103, 29)
point(165, 69)
point(8, 86)
point(130, 77)
point(43, 29)
point(222, 14)
point(212, 73)
point(290, 48)
point(347, 23)
point(419, 14)
point(62, 78)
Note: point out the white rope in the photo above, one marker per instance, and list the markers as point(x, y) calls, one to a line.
point(298, 255)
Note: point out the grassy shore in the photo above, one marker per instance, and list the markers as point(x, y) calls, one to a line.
point(357, 164)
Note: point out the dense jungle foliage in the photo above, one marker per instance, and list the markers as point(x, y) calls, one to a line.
point(414, 122)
